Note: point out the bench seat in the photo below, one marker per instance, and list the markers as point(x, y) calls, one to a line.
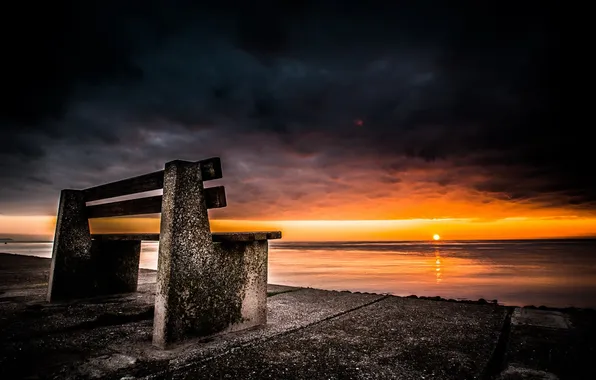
point(218, 237)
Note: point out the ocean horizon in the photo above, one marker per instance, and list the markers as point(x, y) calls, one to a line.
point(549, 272)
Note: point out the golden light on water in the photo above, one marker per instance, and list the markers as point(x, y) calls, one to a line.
point(436, 237)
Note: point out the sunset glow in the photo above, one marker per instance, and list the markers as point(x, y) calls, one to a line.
point(353, 136)
point(274, 174)
point(335, 230)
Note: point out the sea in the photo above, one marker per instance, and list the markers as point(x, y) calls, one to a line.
point(553, 273)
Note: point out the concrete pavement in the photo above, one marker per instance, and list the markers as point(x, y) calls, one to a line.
point(311, 334)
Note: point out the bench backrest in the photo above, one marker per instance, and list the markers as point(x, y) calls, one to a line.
point(78, 258)
point(215, 197)
point(206, 283)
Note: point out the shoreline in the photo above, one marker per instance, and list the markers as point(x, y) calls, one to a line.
point(308, 331)
point(480, 301)
point(379, 241)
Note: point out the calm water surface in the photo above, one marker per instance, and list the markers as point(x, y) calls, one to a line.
point(532, 272)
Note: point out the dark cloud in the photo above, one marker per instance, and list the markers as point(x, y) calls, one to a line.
point(103, 90)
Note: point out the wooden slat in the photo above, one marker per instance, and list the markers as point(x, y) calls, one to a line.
point(142, 237)
point(217, 236)
point(150, 205)
point(246, 236)
point(210, 169)
point(215, 197)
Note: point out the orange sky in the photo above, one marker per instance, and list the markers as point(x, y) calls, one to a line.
point(354, 207)
point(369, 131)
point(305, 230)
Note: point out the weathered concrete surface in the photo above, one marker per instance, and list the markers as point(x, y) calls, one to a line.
point(273, 289)
point(551, 319)
point(551, 344)
point(110, 337)
point(310, 334)
point(116, 265)
point(248, 274)
point(186, 301)
point(521, 373)
point(395, 338)
point(71, 271)
point(203, 287)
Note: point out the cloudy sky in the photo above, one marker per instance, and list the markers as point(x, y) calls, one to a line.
point(320, 110)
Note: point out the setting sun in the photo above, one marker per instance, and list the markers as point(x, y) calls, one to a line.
point(436, 237)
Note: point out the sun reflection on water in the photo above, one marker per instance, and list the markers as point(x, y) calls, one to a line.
point(438, 265)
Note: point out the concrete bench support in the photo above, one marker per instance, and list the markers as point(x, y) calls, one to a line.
point(207, 283)
point(230, 294)
point(82, 267)
point(245, 303)
point(183, 299)
point(203, 287)
point(116, 265)
point(71, 273)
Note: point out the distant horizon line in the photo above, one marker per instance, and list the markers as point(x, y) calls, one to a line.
point(10, 240)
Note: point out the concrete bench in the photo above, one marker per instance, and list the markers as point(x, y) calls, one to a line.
point(207, 282)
